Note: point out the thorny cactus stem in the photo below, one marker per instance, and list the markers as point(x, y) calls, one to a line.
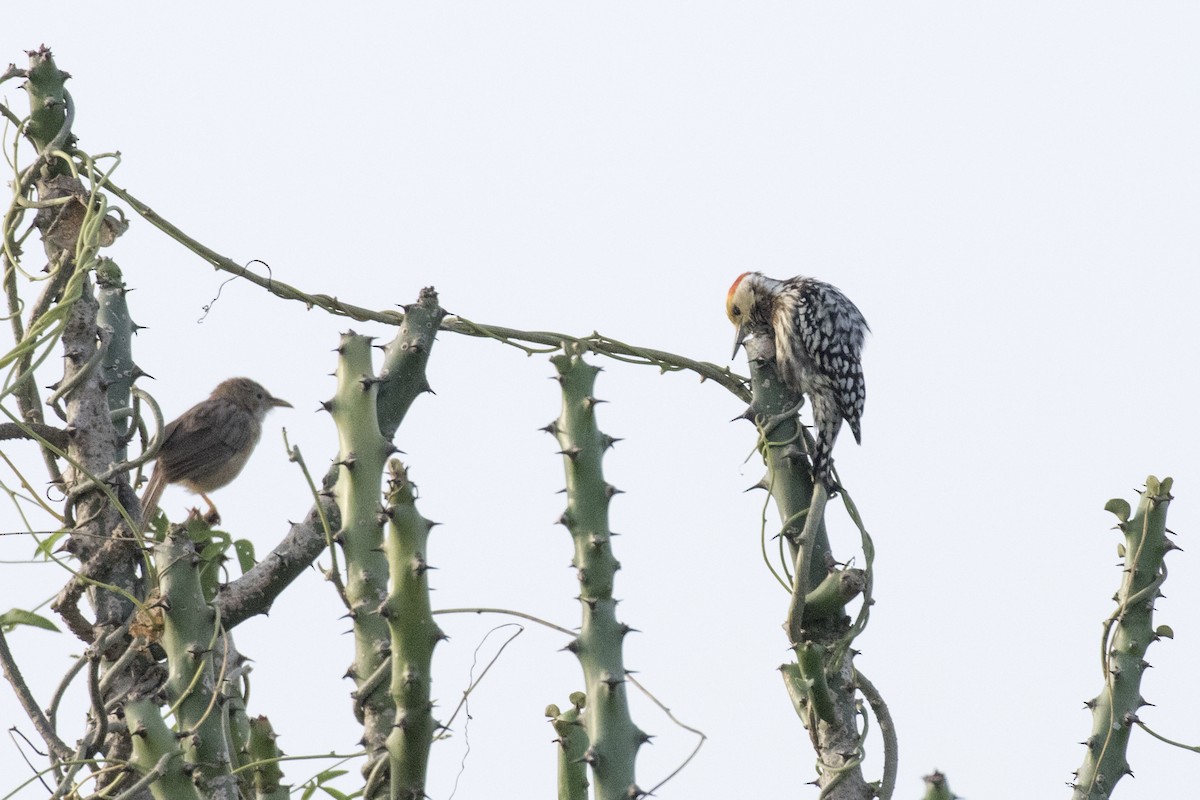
point(820, 687)
point(156, 753)
point(265, 754)
point(402, 376)
point(402, 379)
point(414, 635)
point(360, 463)
point(572, 741)
point(48, 127)
point(613, 738)
point(118, 370)
point(938, 788)
point(1127, 635)
point(193, 642)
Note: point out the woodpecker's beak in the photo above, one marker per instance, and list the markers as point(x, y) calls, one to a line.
point(738, 339)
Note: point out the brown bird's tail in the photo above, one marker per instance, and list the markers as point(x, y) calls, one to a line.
point(154, 490)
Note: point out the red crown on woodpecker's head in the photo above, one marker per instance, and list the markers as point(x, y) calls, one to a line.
point(737, 282)
point(732, 291)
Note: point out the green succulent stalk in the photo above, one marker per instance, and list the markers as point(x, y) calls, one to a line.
point(938, 788)
point(402, 377)
point(572, 741)
point(46, 85)
point(191, 637)
point(237, 722)
point(361, 457)
point(414, 635)
point(613, 738)
point(117, 367)
point(1127, 635)
point(157, 755)
point(265, 754)
point(821, 682)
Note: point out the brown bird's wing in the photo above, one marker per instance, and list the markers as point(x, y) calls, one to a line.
point(202, 440)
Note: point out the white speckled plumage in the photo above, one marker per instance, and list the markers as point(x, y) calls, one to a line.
point(819, 335)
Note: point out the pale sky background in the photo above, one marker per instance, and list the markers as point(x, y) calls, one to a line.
point(1008, 191)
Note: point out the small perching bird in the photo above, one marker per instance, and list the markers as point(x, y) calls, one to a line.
point(209, 444)
point(819, 337)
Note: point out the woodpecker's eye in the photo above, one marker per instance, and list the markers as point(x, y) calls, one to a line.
point(737, 312)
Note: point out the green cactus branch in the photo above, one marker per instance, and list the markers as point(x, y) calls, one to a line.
point(570, 728)
point(1128, 633)
point(263, 757)
point(938, 788)
point(157, 754)
point(401, 381)
point(414, 636)
point(613, 739)
point(821, 682)
point(548, 341)
point(361, 456)
point(191, 630)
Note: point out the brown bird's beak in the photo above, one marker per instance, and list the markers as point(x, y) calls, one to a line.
point(277, 403)
point(737, 342)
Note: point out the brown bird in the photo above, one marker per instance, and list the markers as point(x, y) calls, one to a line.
point(209, 444)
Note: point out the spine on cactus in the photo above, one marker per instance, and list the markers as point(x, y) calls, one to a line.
point(613, 739)
point(1127, 635)
point(157, 755)
point(361, 455)
point(265, 754)
point(191, 638)
point(414, 635)
point(572, 741)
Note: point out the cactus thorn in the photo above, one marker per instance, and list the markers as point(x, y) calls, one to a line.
point(763, 483)
point(612, 681)
point(610, 491)
point(572, 452)
point(552, 428)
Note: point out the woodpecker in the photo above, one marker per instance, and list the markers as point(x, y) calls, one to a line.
point(818, 336)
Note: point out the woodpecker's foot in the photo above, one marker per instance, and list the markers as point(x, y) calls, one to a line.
point(825, 478)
